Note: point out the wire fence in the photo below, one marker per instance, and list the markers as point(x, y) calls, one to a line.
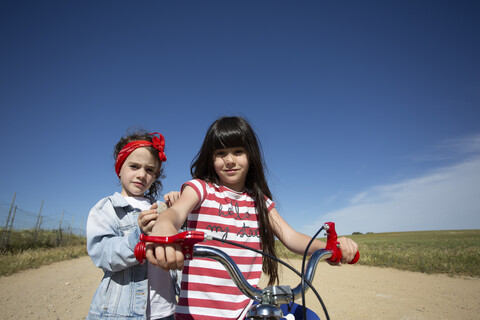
point(14, 218)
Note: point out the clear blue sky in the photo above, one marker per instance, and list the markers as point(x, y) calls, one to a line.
point(368, 111)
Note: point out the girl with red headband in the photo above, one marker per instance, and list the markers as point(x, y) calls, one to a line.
point(129, 290)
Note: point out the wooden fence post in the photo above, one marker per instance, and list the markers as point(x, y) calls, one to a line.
point(8, 219)
point(59, 238)
point(10, 229)
point(37, 226)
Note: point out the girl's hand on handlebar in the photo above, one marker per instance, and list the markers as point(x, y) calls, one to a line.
point(349, 248)
point(167, 257)
point(146, 219)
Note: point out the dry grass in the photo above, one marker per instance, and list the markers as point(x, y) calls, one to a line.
point(24, 251)
point(34, 258)
point(453, 252)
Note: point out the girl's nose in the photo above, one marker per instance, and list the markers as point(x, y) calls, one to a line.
point(229, 158)
point(142, 173)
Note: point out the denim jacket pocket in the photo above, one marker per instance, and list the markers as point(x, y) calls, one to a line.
point(125, 230)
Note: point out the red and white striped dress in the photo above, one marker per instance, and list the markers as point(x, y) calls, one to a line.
point(207, 290)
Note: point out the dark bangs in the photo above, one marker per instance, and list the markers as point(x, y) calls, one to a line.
point(228, 134)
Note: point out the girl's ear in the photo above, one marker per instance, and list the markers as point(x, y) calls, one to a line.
point(157, 175)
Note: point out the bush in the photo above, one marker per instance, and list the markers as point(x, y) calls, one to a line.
point(20, 240)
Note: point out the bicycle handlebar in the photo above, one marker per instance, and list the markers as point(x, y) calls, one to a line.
point(278, 294)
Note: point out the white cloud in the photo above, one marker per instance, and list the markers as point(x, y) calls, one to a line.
point(446, 198)
point(359, 197)
point(452, 149)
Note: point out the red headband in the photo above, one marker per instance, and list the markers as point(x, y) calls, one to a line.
point(157, 143)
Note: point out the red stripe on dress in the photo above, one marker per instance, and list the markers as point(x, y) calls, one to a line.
point(245, 230)
point(236, 227)
point(247, 261)
point(214, 304)
point(217, 212)
point(202, 287)
point(242, 231)
point(222, 274)
point(254, 243)
point(184, 316)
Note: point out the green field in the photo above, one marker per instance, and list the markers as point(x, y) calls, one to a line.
point(453, 252)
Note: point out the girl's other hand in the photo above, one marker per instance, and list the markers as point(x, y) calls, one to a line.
point(349, 248)
point(171, 197)
point(146, 219)
point(167, 257)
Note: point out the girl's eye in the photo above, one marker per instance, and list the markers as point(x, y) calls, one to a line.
point(220, 153)
point(239, 151)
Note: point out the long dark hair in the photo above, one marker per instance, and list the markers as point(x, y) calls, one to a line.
point(231, 132)
point(140, 134)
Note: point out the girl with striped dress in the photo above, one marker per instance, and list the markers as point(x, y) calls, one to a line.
point(228, 198)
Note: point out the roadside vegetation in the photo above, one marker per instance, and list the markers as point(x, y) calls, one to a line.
point(26, 249)
point(452, 252)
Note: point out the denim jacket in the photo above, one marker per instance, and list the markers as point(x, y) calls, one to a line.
point(112, 233)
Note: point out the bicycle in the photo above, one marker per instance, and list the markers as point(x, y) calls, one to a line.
point(271, 300)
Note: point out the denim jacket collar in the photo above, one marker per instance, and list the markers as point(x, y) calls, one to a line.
point(118, 200)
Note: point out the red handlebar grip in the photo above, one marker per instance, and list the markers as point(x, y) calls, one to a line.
point(187, 239)
point(139, 251)
point(334, 246)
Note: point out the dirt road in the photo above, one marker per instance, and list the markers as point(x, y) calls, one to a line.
point(64, 290)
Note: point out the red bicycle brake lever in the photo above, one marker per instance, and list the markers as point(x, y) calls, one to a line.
point(334, 246)
point(187, 239)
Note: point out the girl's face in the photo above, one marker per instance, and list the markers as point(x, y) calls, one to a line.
point(138, 173)
point(231, 166)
